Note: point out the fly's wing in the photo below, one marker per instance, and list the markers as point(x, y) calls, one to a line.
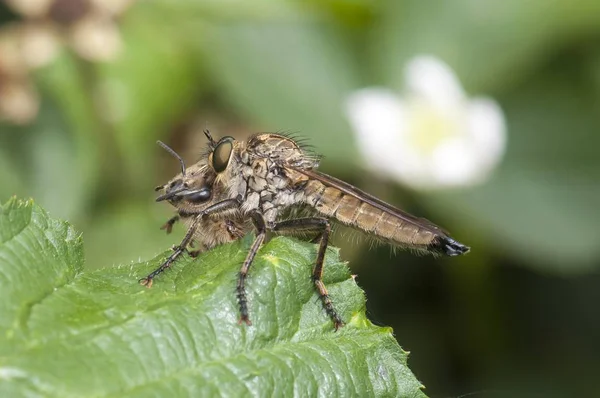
point(349, 205)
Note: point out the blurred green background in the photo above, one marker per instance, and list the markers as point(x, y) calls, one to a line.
point(516, 317)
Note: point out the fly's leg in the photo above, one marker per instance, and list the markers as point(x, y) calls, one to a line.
point(259, 224)
point(168, 226)
point(224, 205)
point(324, 227)
point(177, 251)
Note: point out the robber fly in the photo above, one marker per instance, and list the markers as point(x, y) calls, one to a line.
point(240, 185)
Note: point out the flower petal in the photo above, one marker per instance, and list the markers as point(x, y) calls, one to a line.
point(456, 163)
point(434, 137)
point(375, 115)
point(487, 127)
point(431, 79)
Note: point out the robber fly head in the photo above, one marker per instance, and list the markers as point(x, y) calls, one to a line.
point(192, 185)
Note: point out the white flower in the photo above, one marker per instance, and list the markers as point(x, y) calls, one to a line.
point(432, 136)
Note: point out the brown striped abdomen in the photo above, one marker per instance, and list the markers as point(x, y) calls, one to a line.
point(347, 209)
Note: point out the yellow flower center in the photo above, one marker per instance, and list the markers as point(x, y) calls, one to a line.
point(428, 127)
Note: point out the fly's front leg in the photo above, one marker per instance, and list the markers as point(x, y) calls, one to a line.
point(324, 227)
point(222, 206)
point(177, 251)
point(168, 226)
point(261, 232)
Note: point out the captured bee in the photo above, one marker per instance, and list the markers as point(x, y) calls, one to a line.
point(193, 192)
point(240, 185)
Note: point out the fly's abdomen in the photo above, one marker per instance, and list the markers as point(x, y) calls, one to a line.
point(380, 221)
point(349, 210)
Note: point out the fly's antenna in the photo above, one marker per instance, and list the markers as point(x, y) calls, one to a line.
point(172, 152)
point(210, 138)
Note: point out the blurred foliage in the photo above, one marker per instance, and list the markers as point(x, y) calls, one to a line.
point(238, 67)
point(71, 333)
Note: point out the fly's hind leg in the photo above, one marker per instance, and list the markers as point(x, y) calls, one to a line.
point(259, 224)
point(324, 227)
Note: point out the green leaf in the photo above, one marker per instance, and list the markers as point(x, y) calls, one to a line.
point(70, 333)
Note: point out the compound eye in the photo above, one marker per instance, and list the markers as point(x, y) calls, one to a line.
point(222, 154)
point(199, 196)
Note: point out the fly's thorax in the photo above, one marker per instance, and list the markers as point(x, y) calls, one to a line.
point(269, 187)
point(280, 149)
point(266, 183)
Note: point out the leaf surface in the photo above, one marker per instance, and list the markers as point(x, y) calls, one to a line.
point(66, 332)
